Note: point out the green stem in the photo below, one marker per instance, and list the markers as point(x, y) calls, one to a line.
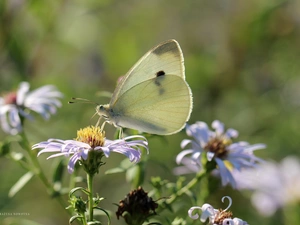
point(188, 186)
point(91, 201)
point(37, 168)
point(84, 222)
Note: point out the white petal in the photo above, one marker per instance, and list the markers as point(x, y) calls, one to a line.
point(196, 216)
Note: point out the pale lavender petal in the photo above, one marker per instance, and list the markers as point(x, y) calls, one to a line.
point(72, 163)
point(225, 174)
point(182, 154)
point(232, 133)
point(84, 154)
point(14, 118)
point(196, 156)
point(239, 155)
point(184, 143)
point(252, 148)
point(266, 205)
point(21, 93)
point(26, 115)
point(130, 147)
point(218, 126)
point(43, 101)
point(58, 154)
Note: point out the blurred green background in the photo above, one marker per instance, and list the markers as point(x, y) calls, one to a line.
point(242, 64)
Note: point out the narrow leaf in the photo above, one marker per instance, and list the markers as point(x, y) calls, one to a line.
point(4, 148)
point(78, 189)
point(71, 220)
point(115, 170)
point(94, 223)
point(20, 184)
point(59, 171)
point(107, 213)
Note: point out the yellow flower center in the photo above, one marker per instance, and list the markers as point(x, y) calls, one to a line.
point(91, 135)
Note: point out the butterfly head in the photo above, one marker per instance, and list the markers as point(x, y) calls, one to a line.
point(103, 111)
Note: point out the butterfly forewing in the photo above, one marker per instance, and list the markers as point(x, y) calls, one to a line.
point(165, 58)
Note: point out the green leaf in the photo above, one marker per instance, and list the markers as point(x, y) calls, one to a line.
point(124, 165)
point(20, 184)
point(136, 174)
point(58, 175)
point(115, 170)
point(94, 223)
point(73, 218)
point(106, 213)
point(78, 189)
point(4, 148)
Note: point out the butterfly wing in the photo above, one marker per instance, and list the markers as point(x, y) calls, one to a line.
point(166, 58)
point(160, 105)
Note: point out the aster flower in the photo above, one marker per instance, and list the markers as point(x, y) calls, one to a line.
point(216, 216)
point(90, 146)
point(275, 185)
point(16, 106)
point(219, 149)
point(208, 212)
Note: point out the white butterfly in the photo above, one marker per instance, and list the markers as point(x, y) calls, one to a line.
point(153, 96)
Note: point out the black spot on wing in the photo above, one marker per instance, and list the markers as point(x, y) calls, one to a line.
point(160, 73)
point(157, 79)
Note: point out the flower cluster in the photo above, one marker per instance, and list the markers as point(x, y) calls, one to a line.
point(219, 148)
point(89, 147)
point(275, 185)
point(216, 216)
point(16, 106)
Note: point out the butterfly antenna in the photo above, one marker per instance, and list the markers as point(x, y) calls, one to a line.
point(81, 100)
point(95, 115)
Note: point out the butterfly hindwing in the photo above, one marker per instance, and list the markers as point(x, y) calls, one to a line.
point(160, 105)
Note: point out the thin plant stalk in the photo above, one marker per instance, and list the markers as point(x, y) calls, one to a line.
point(91, 202)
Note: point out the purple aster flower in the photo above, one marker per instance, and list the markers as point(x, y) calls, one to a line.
point(17, 105)
point(89, 147)
point(218, 147)
point(275, 185)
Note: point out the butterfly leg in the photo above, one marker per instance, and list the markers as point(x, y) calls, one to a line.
point(121, 133)
point(102, 126)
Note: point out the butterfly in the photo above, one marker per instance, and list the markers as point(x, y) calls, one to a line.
point(153, 97)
